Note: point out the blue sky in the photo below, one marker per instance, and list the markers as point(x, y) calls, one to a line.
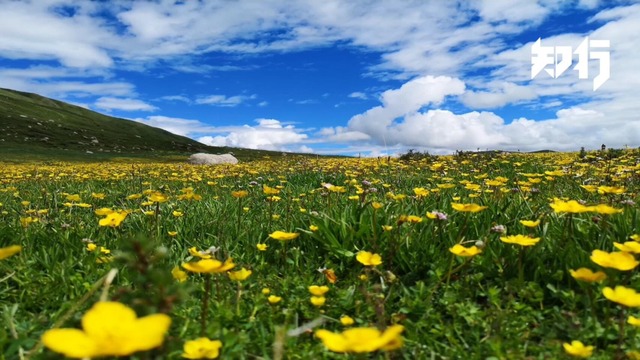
point(346, 77)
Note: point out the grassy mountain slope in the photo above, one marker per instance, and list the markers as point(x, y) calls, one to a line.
point(39, 128)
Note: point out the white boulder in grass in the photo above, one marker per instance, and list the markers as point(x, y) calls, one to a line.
point(212, 159)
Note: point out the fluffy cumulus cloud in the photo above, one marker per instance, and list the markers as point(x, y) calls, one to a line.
point(409, 98)
point(269, 134)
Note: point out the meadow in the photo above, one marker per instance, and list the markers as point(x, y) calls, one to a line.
point(475, 256)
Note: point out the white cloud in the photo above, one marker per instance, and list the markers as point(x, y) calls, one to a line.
point(33, 30)
point(224, 101)
point(358, 95)
point(179, 126)
point(126, 104)
point(512, 11)
point(499, 95)
point(409, 98)
point(180, 98)
point(269, 134)
point(60, 82)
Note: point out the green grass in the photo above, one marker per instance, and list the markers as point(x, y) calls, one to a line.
point(508, 302)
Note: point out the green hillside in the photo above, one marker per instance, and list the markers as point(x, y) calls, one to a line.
point(33, 127)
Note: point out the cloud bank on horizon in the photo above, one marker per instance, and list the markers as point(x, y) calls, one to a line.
point(334, 76)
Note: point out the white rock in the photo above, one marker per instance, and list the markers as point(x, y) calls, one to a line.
point(211, 159)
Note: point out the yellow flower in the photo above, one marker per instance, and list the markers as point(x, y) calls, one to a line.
point(635, 237)
point(318, 290)
point(239, 194)
point(9, 251)
point(632, 320)
point(318, 300)
point(313, 228)
point(460, 250)
point(239, 275)
point(262, 247)
point(376, 205)
point(622, 261)
point(178, 213)
point(520, 240)
point(346, 320)
point(387, 227)
point(576, 348)
point(530, 223)
point(269, 190)
point(611, 190)
point(467, 207)
point(586, 275)
point(114, 219)
point(103, 211)
point(362, 340)
point(99, 196)
point(178, 274)
point(91, 247)
point(274, 299)
point(172, 233)
point(570, 206)
point(628, 246)
point(209, 266)
point(368, 259)
point(414, 219)
point(74, 198)
point(622, 295)
point(158, 197)
point(420, 192)
point(201, 348)
point(110, 329)
point(605, 209)
point(193, 251)
point(266, 291)
point(283, 236)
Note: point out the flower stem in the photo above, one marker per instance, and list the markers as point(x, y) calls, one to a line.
point(205, 304)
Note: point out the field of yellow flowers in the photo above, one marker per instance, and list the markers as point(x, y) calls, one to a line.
point(476, 256)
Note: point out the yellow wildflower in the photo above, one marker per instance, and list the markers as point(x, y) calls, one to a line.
point(178, 274)
point(283, 236)
point(318, 301)
point(318, 290)
point(5, 252)
point(209, 266)
point(201, 348)
point(460, 250)
point(520, 240)
point(622, 295)
point(239, 275)
point(530, 223)
point(110, 329)
point(576, 348)
point(368, 259)
point(362, 340)
point(586, 275)
point(622, 261)
point(467, 207)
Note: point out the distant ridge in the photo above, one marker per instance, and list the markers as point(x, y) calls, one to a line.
point(34, 126)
